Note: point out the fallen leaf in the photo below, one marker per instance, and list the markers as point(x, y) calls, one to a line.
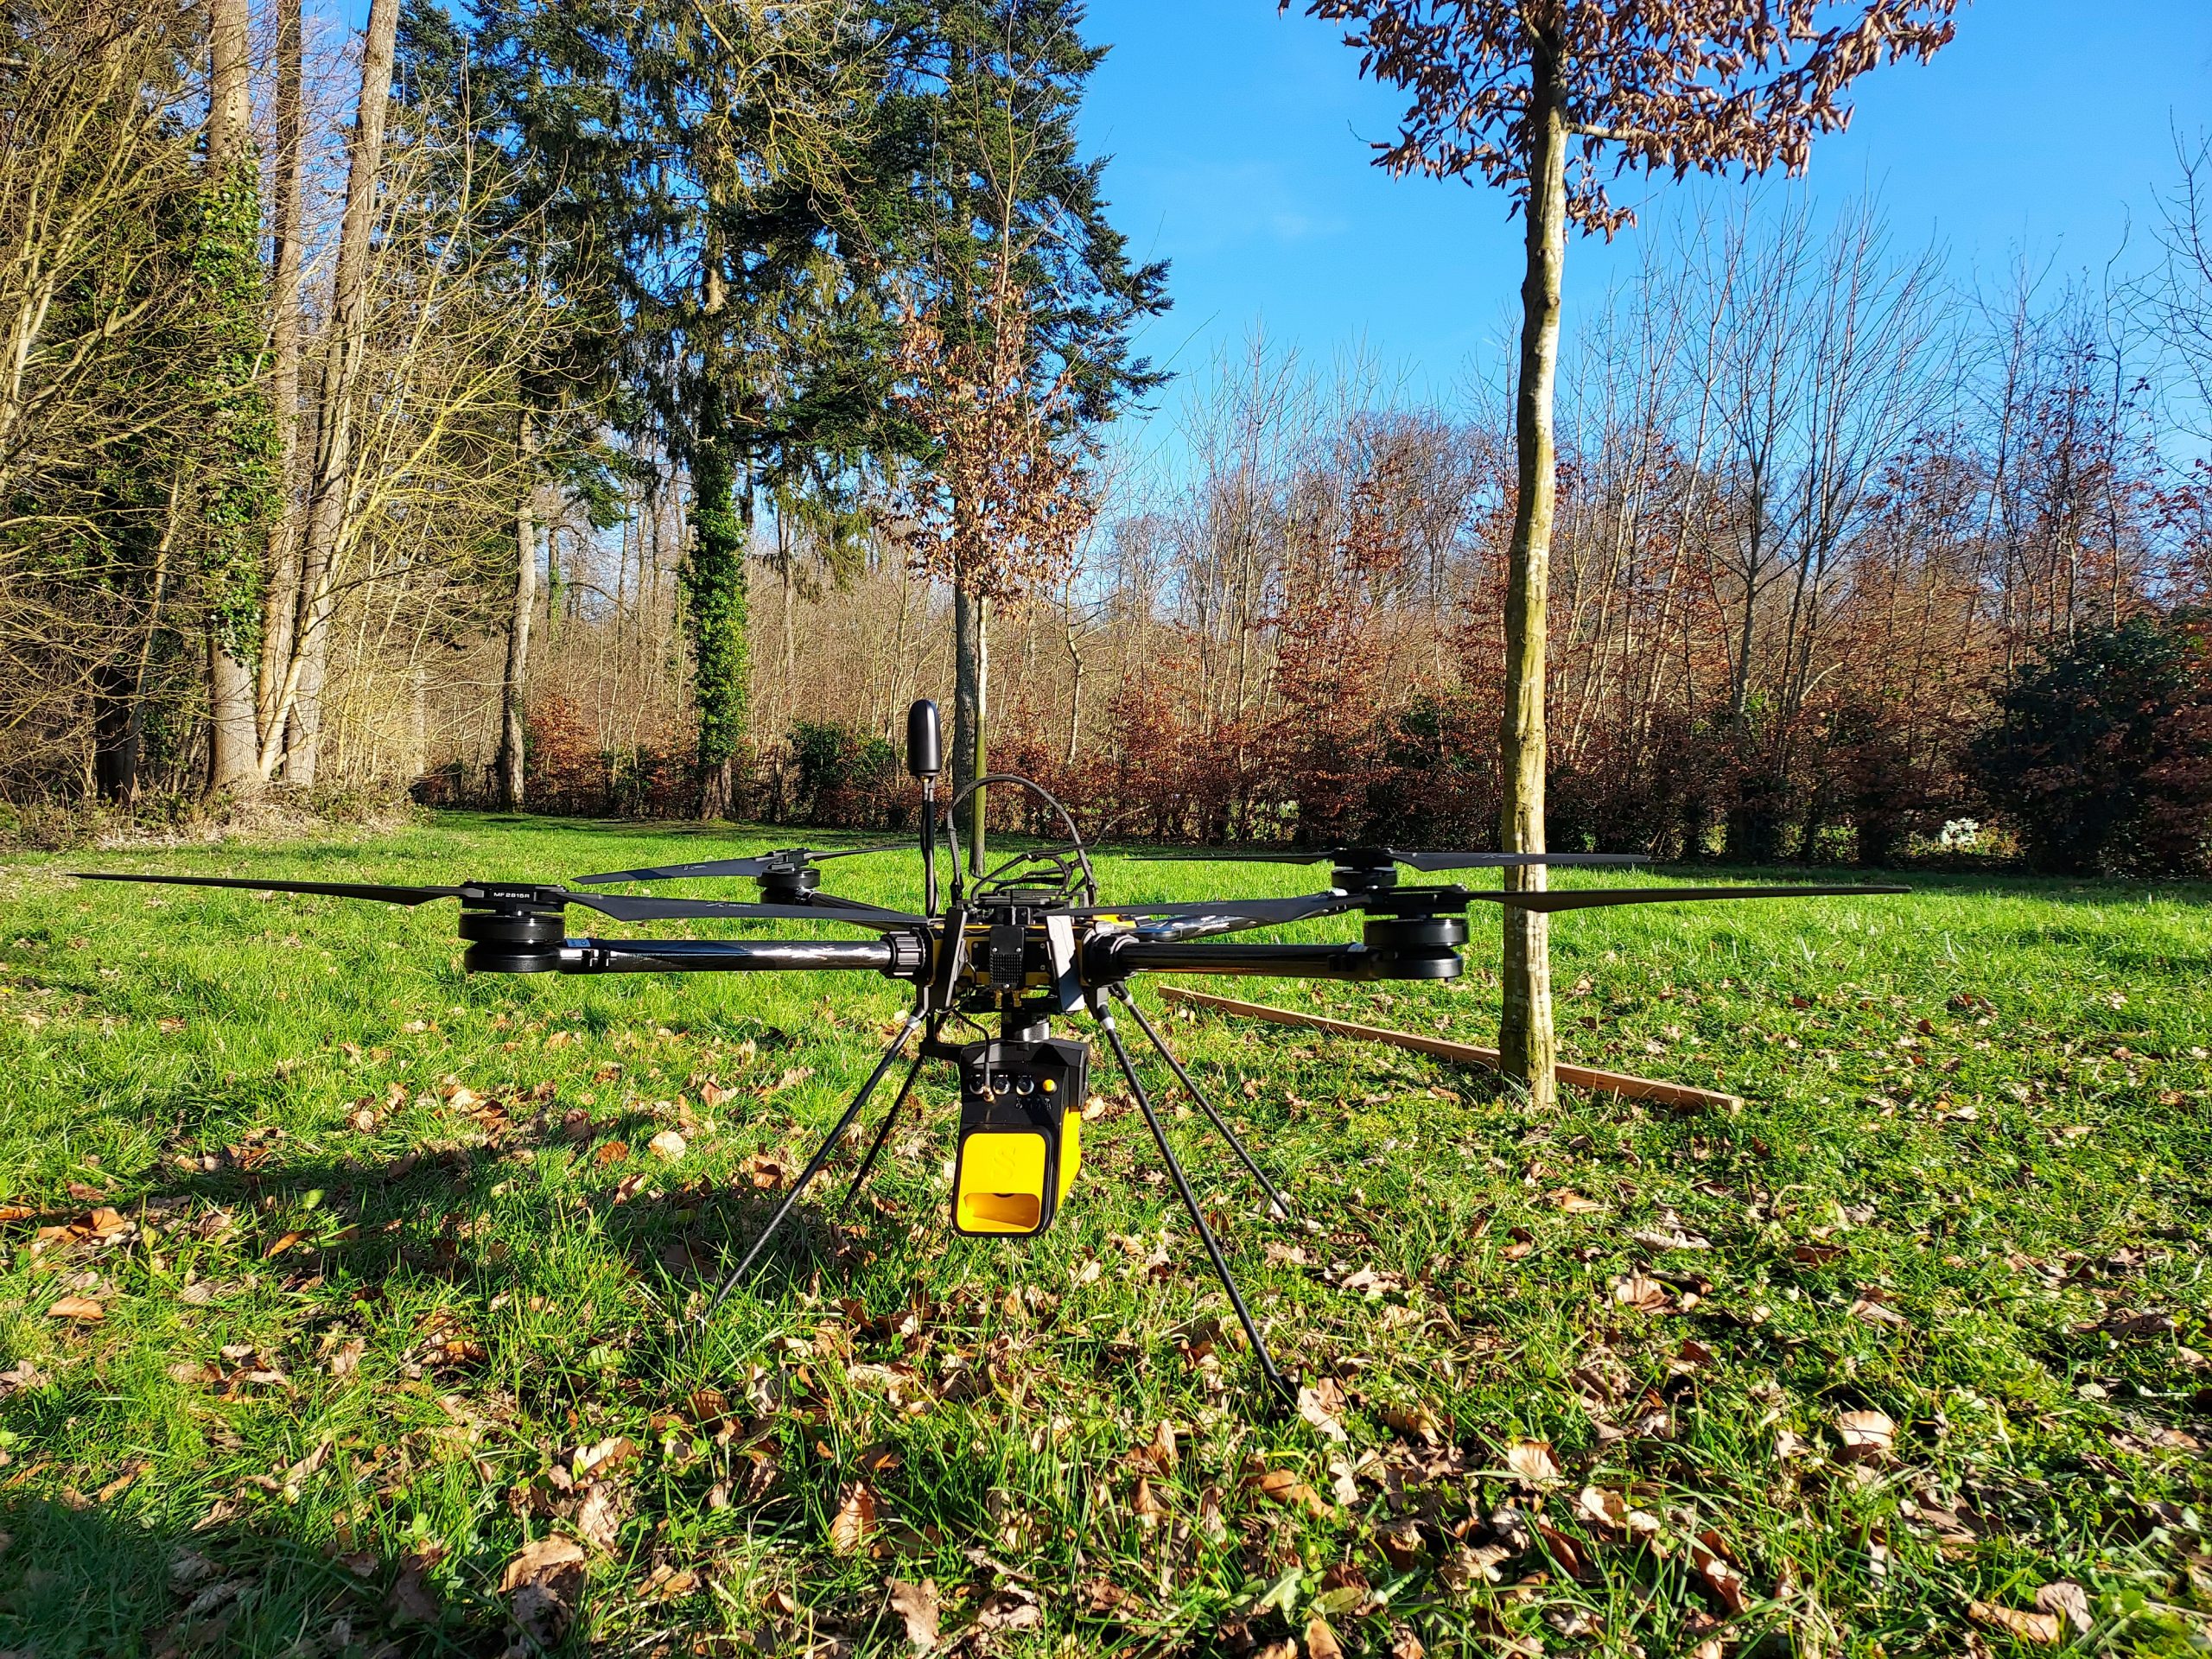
point(1145, 1505)
point(916, 1604)
point(855, 1519)
point(1532, 1463)
point(1572, 1203)
point(1010, 1608)
point(77, 1307)
point(1643, 1293)
point(1320, 1406)
point(411, 1601)
point(284, 1243)
point(1321, 1642)
point(1722, 1576)
point(1563, 1549)
point(667, 1144)
point(1874, 1313)
point(1281, 1486)
point(2043, 1629)
point(1867, 1436)
point(1413, 1420)
point(599, 1514)
point(1815, 1255)
point(2069, 1600)
point(544, 1583)
point(345, 1358)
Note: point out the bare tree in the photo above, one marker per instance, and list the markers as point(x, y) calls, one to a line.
point(1529, 96)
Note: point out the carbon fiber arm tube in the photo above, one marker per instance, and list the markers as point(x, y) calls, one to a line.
point(1119, 958)
point(895, 956)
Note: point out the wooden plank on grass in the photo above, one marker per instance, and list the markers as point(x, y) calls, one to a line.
point(1680, 1094)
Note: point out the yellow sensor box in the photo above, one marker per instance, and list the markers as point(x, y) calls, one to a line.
point(1020, 1134)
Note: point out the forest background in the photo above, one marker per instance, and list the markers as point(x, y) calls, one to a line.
point(629, 411)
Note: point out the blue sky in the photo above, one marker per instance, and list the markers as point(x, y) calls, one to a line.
point(1239, 144)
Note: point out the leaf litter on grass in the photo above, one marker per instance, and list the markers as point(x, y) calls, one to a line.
point(1752, 1432)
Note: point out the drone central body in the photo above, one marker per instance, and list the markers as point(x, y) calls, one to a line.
point(1020, 945)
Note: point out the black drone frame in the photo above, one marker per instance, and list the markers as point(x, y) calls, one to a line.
point(1020, 942)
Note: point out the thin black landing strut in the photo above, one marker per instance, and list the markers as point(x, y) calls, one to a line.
point(1276, 1378)
point(822, 1157)
point(1281, 1204)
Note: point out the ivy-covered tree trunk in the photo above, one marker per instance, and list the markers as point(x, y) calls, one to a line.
point(714, 602)
point(238, 468)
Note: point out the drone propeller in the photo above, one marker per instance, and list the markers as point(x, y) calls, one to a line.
point(1419, 861)
point(1279, 911)
point(788, 860)
point(1598, 898)
point(620, 906)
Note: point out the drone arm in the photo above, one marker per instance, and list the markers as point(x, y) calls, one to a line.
point(1114, 959)
point(894, 956)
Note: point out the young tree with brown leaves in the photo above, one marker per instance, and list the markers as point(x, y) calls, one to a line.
point(1534, 97)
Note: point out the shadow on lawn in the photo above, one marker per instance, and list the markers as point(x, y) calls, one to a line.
point(92, 1578)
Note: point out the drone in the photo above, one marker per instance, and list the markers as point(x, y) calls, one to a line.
point(1020, 944)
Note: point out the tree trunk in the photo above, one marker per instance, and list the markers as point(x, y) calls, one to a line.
point(234, 755)
point(971, 680)
point(333, 478)
point(512, 684)
point(281, 606)
point(1527, 1045)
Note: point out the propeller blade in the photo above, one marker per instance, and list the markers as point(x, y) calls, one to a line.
point(1600, 898)
point(389, 895)
point(753, 866)
point(625, 908)
point(1515, 860)
point(1256, 910)
point(756, 865)
point(1419, 861)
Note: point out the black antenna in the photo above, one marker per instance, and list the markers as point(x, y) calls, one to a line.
point(925, 760)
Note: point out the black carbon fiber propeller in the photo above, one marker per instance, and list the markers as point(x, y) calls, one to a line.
point(497, 894)
point(1419, 861)
point(786, 862)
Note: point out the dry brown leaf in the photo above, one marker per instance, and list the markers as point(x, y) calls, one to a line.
point(2070, 1601)
point(1572, 1203)
point(1532, 1463)
point(1404, 1644)
point(2043, 1629)
point(81, 1308)
point(613, 1152)
point(544, 1583)
point(1643, 1293)
point(1413, 1420)
point(1721, 1574)
point(855, 1519)
point(1320, 1641)
point(1148, 1508)
point(916, 1604)
point(1010, 1608)
point(599, 1515)
point(1874, 1313)
point(345, 1358)
point(667, 1144)
point(1815, 1255)
point(1281, 1486)
point(1564, 1549)
point(1867, 1436)
point(412, 1601)
point(1321, 1406)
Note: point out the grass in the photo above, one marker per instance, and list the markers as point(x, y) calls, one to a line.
point(387, 1275)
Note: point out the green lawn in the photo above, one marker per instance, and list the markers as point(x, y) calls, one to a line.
point(388, 1276)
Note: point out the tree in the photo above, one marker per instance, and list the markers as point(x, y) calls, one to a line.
point(237, 483)
point(1531, 96)
point(330, 484)
point(1018, 300)
point(2100, 755)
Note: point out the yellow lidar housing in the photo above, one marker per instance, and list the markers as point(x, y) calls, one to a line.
point(1001, 1181)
